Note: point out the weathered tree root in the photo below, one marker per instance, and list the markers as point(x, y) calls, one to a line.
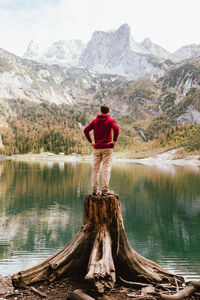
point(192, 287)
point(99, 253)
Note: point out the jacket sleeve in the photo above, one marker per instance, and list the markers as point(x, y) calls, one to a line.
point(87, 131)
point(116, 131)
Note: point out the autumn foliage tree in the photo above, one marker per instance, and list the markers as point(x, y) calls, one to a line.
point(44, 127)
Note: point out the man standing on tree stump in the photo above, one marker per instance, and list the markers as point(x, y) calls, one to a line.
point(106, 133)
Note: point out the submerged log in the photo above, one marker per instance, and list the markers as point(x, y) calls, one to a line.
point(99, 253)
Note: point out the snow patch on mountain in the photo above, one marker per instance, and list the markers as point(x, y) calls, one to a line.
point(190, 116)
point(63, 52)
point(44, 75)
point(34, 51)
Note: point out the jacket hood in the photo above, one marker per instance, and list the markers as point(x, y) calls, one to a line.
point(103, 117)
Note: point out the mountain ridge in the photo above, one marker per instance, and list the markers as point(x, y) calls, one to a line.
point(112, 52)
point(31, 91)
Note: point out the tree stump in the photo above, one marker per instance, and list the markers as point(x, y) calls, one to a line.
point(99, 253)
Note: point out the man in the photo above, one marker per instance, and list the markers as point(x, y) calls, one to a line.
point(106, 133)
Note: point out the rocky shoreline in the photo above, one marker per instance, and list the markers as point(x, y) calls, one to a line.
point(170, 157)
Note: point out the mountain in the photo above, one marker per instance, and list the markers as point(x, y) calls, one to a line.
point(32, 81)
point(34, 51)
point(184, 81)
point(186, 52)
point(179, 103)
point(183, 77)
point(113, 52)
point(29, 80)
point(64, 52)
point(116, 52)
point(154, 49)
point(140, 99)
point(44, 106)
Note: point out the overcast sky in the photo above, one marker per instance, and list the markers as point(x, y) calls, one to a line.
point(169, 23)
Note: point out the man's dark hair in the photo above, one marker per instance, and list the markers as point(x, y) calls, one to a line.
point(105, 108)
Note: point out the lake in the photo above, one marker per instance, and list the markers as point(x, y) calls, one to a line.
point(41, 209)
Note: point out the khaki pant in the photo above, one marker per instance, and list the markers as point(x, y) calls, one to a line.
point(103, 156)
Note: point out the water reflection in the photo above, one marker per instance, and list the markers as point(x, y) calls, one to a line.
point(161, 214)
point(41, 208)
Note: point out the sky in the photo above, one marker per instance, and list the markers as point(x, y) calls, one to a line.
point(168, 23)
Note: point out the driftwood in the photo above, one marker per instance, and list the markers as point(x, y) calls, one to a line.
point(99, 253)
point(193, 287)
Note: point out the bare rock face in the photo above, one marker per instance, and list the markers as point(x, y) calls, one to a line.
point(191, 115)
point(116, 52)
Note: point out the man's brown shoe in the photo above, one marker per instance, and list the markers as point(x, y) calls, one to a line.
point(107, 192)
point(96, 193)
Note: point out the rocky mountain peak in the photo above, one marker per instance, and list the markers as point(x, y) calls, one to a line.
point(154, 49)
point(33, 51)
point(123, 34)
point(62, 52)
point(186, 52)
point(124, 29)
point(116, 52)
point(65, 51)
point(147, 42)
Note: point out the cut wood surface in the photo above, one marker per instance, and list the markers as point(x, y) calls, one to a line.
point(99, 253)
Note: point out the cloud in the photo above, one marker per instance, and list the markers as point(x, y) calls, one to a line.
point(170, 23)
point(24, 20)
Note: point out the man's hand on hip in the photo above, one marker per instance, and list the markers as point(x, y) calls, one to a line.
point(112, 143)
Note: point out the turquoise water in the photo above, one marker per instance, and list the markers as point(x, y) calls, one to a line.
point(41, 208)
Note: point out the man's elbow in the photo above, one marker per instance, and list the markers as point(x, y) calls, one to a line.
point(85, 131)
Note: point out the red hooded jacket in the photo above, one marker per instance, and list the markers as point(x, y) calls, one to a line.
point(102, 127)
